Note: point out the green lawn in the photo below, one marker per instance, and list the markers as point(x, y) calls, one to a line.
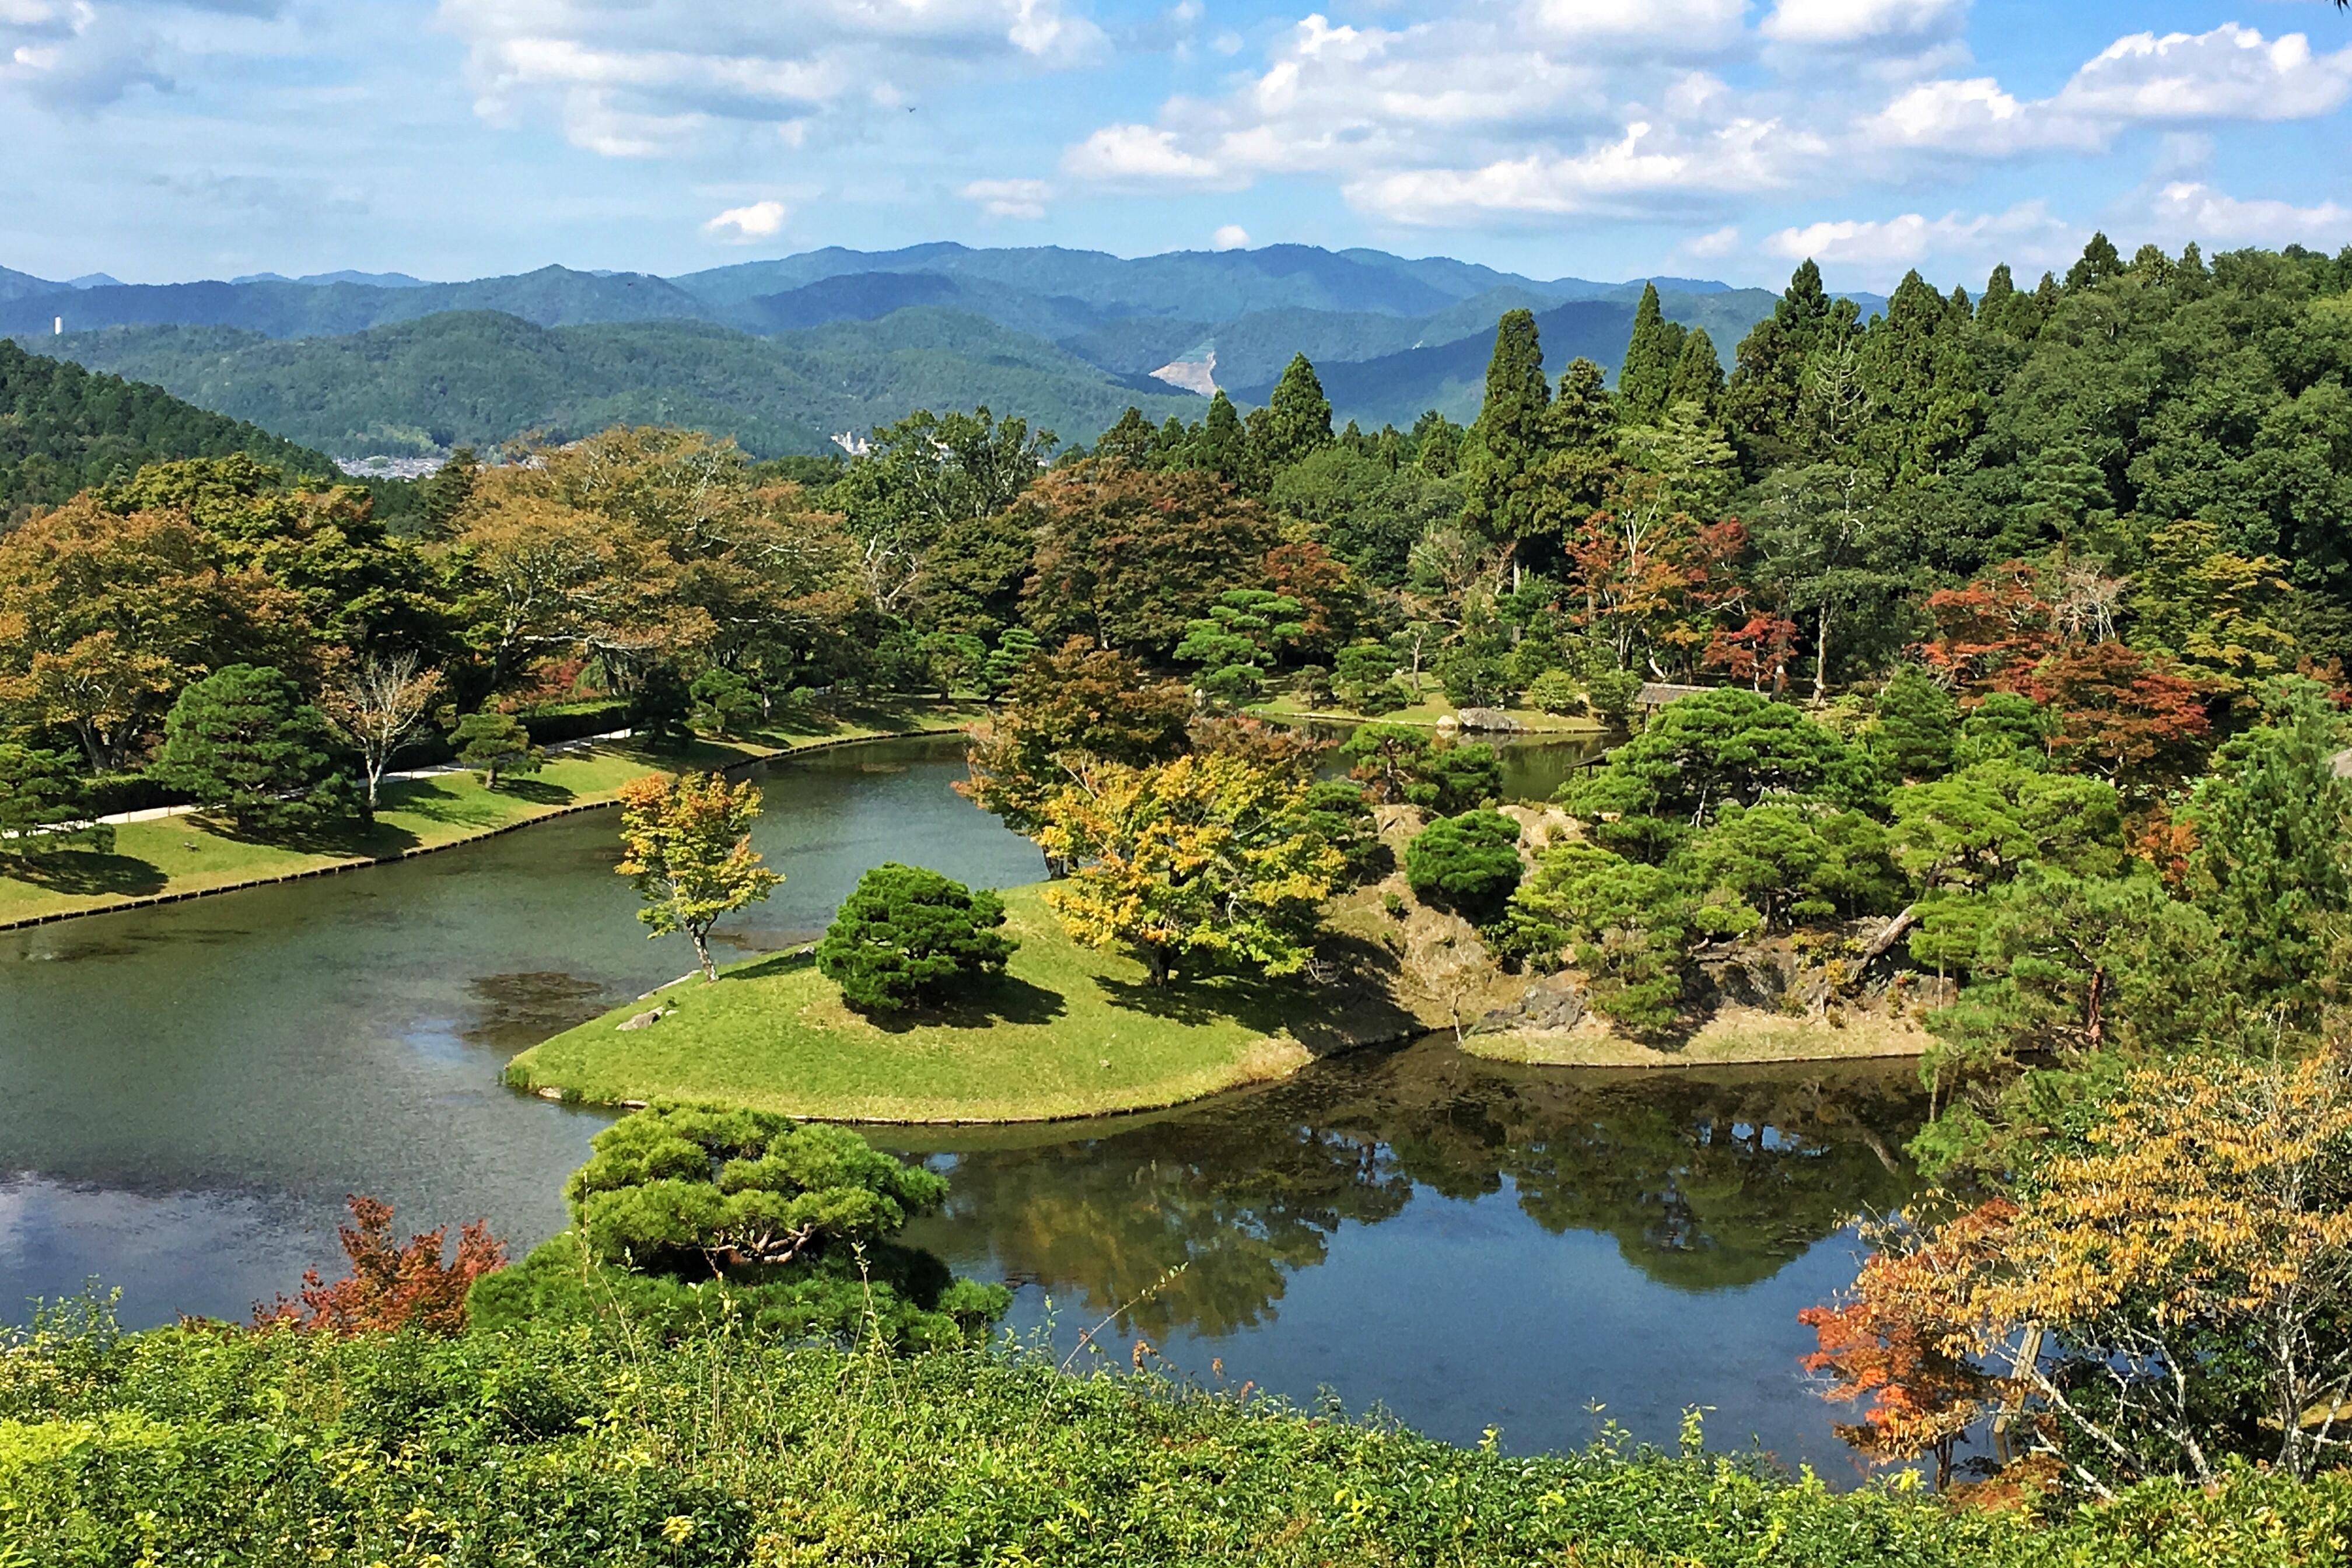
point(1068, 1032)
point(1425, 714)
point(189, 853)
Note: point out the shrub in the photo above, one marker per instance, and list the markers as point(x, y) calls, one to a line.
point(1556, 691)
point(724, 702)
point(907, 936)
point(1614, 694)
point(492, 743)
point(689, 1218)
point(1469, 864)
point(391, 1285)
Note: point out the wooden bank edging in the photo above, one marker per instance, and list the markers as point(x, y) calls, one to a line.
point(361, 863)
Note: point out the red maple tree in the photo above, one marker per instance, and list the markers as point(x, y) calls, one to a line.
point(391, 1285)
point(2135, 717)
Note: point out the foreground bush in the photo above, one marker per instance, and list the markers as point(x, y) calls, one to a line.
point(688, 1219)
point(576, 1448)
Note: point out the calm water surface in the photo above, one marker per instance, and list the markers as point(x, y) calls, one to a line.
point(187, 1093)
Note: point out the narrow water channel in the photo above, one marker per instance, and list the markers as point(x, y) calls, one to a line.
point(187, 1093)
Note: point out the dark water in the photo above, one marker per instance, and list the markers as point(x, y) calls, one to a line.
point(187, 1093)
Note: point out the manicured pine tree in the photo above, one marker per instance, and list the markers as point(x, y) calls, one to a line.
point(1507, 443)
point(1648, 371)
point(1298, 417)
point(244, 740)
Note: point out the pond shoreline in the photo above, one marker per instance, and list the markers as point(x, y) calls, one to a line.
point(535, 818)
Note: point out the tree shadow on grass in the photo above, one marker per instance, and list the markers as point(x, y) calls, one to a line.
point(1007, 999)
point(539, 792)
point(1347, 997)
point(343, 836)
point(86, 872)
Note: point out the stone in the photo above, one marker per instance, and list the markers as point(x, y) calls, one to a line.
point(1557, 1004)
point(645, 1020)
point(1492, 720)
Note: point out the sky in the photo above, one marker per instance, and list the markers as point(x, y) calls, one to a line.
point(168, 140)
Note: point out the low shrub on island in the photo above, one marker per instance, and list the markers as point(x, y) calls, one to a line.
point(906, 936)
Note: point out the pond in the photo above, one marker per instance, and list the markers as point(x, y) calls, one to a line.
point(186, 1094)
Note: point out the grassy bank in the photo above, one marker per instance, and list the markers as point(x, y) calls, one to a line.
point(1426, 713)
point(1734, 1037)
point(195, 854)
point(228, 1447)
point(1068, 1032)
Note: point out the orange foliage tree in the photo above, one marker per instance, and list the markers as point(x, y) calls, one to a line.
point(391, 1285)
point(1999, 623)
point(1902, 1340)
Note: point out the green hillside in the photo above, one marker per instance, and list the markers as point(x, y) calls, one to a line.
point(63, 428)
point(481, 377)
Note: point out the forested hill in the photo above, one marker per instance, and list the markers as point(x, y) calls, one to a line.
point(63, 428)
point(784, 353)
point(480, 377)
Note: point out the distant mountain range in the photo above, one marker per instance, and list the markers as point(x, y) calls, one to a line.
point(784, 355)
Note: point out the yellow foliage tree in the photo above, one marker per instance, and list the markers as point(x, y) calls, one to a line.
point(2191, 1257)
point(1207, 856)
point(688, 843)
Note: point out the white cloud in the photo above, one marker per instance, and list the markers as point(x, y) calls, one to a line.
point(2229, 73)
point(741, 225)
point(661, 75)
point(1646, 169)
point(1716, 243)
point(1023, 199)
point(1232, 236)
point(1666, 28)
point(2186, 210)
point(1131, 154)
point(1846, 23)
point(2025, 233)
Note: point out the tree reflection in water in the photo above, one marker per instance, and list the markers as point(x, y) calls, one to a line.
point(1706, 1180)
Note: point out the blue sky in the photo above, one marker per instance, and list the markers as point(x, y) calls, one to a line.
point(161, 140)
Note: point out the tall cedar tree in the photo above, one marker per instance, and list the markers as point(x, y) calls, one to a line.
point(1507, 445)
point(1648, 373)
point(1299, 417)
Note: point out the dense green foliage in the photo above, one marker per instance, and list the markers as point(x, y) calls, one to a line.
point(63, 429)
point(575, 1447)
point(1468, 863)
point(905, 936)
point(243, 740)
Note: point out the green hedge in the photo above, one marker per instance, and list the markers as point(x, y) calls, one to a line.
point(202, 1447)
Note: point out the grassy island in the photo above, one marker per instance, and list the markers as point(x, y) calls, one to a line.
point(1068, 1031)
